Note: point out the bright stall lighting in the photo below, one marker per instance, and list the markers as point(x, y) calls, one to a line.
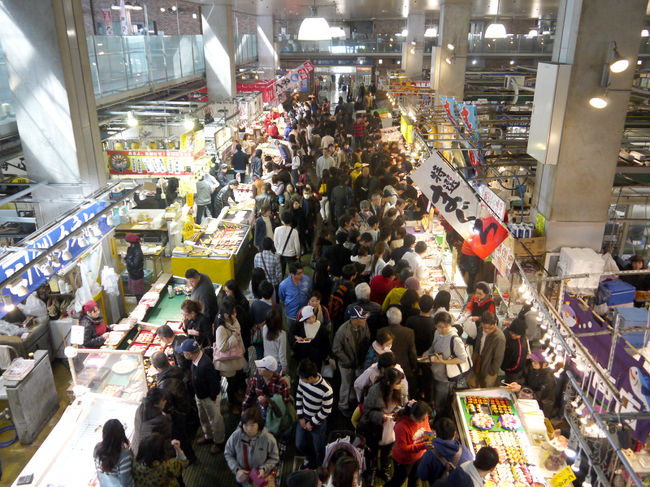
point(598, 102)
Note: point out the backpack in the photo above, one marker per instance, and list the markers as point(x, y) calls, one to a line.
point(280, 417)
point(447, 466)
point(337, 303)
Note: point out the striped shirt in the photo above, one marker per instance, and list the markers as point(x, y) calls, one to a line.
point(314, 401)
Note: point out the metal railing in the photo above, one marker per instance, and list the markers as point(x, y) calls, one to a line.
point(514, 45)
point(125, 63)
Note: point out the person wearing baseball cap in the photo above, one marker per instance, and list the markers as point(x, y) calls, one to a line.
point(264, 384)
point(134, 262)
point(206, 382)
point(350, 346)
point(514, 356)
point(539, 378)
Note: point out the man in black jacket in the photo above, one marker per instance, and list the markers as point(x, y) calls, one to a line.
point(398, 253)
point(337, 255)
point(170, 380)
point(203, 292)
point(240, 162)
point(206, 382)
point(169, 339)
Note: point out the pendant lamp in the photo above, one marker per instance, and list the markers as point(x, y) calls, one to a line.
point(314, 28)
point(496, 30)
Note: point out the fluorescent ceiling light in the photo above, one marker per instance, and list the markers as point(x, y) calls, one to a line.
point(431, 32)
point(496, 31)
point(598, 102)
point(337, 32)
point(314, 29)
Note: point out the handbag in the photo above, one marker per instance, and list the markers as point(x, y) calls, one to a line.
point(254, 476)
point(456, 371)
point(233, 353)
point(328, 368)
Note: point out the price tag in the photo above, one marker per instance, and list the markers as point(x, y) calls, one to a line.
point(563, 477)
point(77, 335)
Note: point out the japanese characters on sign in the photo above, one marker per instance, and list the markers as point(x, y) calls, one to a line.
point(495, 204)
point(459, 205)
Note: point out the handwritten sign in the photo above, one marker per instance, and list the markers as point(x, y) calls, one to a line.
point(459, 205)
point(563, 477)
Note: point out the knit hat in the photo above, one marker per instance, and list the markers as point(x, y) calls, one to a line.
point(518, 326)
point(131, 238)
point(89, 306)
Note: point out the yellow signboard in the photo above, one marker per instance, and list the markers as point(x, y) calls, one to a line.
point(563, 477)
point(406, 128)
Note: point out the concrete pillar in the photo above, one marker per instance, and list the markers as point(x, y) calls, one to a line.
point(219, 48)
point(266, 53)
point(448, 79)
point(573, 189)
point(44, 43)
point(413, 49)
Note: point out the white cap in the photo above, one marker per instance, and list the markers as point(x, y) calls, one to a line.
point(268, 363)
point(307, 312)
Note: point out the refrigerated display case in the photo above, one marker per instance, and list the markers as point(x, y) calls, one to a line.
point(493, 417)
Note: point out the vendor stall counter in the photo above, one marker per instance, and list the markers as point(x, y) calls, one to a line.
point(219, 249)
point(493, 417)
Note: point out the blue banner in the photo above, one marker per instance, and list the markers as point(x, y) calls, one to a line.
point(449, 104)
point(34, 277)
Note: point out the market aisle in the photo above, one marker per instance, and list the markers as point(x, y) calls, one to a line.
point(15, 457)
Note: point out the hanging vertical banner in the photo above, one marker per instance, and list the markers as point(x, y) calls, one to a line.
point(448, 103)
point(467, 115)
point(124, 24)
point(503, 257)
point(108, 21)
point(459, 205)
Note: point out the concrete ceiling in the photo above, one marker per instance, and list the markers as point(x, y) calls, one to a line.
point(370, 9)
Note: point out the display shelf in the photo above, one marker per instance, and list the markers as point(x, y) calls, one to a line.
point(65, 457)
point(521, 452)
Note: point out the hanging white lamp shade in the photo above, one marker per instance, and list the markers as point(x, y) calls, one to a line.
point(314, 29)
point(336, 32)
point(495, 31)
point(431, 32)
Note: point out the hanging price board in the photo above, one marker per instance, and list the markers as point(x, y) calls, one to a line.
point(563, 477)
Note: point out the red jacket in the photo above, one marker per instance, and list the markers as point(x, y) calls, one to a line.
point(409, 440)
point(380, 286)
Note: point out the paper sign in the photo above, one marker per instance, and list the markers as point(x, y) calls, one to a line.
point(540, 223)
point(495, 204)
point(108, 21)
point(77, 335)
point(563, 477)
point(459, 205)
point(503, 257)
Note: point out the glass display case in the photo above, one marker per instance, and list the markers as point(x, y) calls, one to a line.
point(113, 373)
point(494, 417)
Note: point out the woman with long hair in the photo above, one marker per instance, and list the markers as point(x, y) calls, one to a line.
point(257, 276)
point(377, 263)
point(346, 473)
point(227, 338)
point(275, 339)
point(234, 293)
point(149, 418)
point(113, 457)
point(384, 398)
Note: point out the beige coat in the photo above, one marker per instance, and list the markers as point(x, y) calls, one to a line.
point(226, 338)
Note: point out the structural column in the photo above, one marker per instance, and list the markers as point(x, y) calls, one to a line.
point(44, 44)
point(219, 48)
point(578, 145)
point(413, 49)
point(448, 65)
point(266, 53)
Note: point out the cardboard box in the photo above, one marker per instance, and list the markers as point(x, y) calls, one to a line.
point(536, 246)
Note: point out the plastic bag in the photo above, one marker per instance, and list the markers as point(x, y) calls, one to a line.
point(34, 307)
point(110, 281)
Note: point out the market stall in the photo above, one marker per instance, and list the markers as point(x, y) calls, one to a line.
point(494, 417)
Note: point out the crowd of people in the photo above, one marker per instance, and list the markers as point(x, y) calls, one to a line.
point(359, 343)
